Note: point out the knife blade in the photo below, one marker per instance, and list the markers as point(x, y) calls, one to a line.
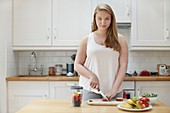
point(103, 95)
point(98, 91)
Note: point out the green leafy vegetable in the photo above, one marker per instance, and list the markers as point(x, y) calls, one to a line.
point(149, 95)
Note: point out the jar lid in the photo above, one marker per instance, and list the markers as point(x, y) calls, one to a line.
point(76, 87)
point(58, 65)
point(51, 67)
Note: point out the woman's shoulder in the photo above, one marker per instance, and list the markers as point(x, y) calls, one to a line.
point(85, 40)
point(121, 37)
point(87, 37)
point(123, 42)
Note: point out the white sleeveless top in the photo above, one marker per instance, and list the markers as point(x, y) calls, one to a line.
point(103, 62)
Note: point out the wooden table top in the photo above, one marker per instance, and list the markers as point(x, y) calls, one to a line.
point(65, 106)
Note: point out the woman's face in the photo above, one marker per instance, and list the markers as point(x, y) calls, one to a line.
point(103, 20)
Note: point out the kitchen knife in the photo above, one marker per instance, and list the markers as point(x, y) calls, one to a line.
point(98, 91)
point(103, 95)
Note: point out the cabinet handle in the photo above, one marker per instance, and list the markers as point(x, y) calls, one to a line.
point(55, 33)
point(48, 33)
point(44, 96)
point(167, 33)
point(138, 93)
point(127, 10)
point(70, 84)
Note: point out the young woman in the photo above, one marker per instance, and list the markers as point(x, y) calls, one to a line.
point(102, 57)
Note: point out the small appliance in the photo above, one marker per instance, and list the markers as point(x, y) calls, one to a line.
point(163, 69)
point(70, 69)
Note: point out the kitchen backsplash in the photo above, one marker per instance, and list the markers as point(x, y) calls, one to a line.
point(138, 60)
point(45, 58)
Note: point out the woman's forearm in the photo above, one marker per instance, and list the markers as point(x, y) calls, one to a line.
point(119, 77)
point(80, 69)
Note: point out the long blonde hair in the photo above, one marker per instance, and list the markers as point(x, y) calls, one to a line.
point(111, 34)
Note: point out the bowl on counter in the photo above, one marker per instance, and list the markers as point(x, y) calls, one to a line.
point(153, 99)
point(152, 96)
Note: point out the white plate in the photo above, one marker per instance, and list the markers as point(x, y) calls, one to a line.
point(127, 109)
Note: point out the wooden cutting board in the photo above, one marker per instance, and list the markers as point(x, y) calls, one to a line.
point(105, 103)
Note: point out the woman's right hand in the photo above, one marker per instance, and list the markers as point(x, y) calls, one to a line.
point(94, 82)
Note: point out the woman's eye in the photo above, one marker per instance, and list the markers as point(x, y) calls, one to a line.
point(99, 19)
point(107, 19)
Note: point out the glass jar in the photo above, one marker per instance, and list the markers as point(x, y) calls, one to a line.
point(77, 95)
point(51, 71)
point(58, 69)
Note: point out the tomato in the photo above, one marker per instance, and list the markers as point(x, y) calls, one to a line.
point(143, 106)
point(104, 99)
point(77, 98)
point(145, 101)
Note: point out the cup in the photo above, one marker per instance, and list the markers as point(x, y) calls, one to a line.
point(77, 95)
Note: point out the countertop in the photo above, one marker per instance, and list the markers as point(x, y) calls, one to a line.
point(76, 78)
point(65, 106)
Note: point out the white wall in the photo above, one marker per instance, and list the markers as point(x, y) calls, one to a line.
point(8, 61)
point(4, 22)
point(3, 98)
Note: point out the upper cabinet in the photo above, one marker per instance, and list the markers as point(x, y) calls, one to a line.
point(71, 21)
point(62, 24)
point(31, 23)
point(58, 24)
point(168, 18)
point(50, 24)
point(150, 25)
point(121, 8)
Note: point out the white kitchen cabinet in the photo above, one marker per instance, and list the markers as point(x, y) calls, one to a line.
point(71, 21)
point(149, 25)
point(31, 23)
point(21, 93)
point(167, 19)
point(61, 90)
point(50, 24)
point(162, 88)
point(121, 8)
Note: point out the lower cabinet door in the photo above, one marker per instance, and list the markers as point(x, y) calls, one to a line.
point(162, 88)
point(61, 90)
point(21, 93)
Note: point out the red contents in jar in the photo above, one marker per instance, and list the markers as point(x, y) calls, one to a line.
point(77, 99)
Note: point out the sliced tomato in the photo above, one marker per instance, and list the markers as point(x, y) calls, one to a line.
point(104, 99)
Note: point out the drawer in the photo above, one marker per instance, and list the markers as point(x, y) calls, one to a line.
point(128, 85)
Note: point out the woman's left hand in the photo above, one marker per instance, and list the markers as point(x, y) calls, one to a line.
point(110, 94)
